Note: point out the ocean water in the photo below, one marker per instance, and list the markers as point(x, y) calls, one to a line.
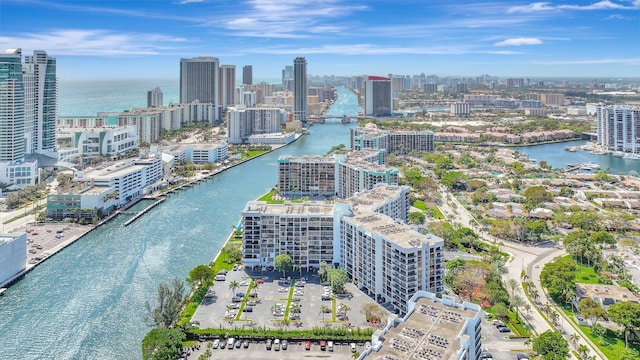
point(88, 97)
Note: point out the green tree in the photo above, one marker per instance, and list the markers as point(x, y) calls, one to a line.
point(233, 286)
point(284, 263)
point(170, 299)
point(162, 344)
point(233, 252)
point(590, 309)
point(537, 194)
point(200, 274)
point(551, 345)
point(417, 217)
point(337, 278)
point(602, 237)
point(558, 278)
point(627, 315)
point(599, 331)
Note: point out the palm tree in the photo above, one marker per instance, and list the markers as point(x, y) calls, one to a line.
point(323, 310)
point(343, 308)
point(233, 286)
point(583, 350)
point(547, 307)
point(513, 284)
point(355, 355)
point(574, 338)
point(527, 307)
point(534, 294)
point(294, 308)
point(523, 275)
point(554, 316)
point(517, 301)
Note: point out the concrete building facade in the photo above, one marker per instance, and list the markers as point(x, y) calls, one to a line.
point(200, 80)
point(618, 128)
point(13, 256)
point(300, 89)
point(378, 97)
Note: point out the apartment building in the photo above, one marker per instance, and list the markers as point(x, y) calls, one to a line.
point(243, 122)
point(618, 128)
point(129, 178)
point(198, 153)
point(365, 235)
point(385, 258)
point(303, 230)
point(13, 256)
point(306, 176)
point(403, 142)
point(433, 328)
point(90, 143)
point(552, 99)
point(355, 175)
point(378, 96)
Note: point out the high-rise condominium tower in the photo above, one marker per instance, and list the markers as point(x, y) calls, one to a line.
point(227, 85)
point(378, 98)
point(200, 80)
point(12, 106)
point(247, 75)
point(41, 103)
point(300, 89)
point(154, 97)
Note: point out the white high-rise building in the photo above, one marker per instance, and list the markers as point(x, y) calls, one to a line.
point(28, 106)
point(300, 89)
point(227, 85)
point(242, 122)
point(618, 128)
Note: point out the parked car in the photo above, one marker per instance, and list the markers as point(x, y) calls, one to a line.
point(223, 344)
point(238, 343)
point(284, 344)
point(522, 356)
point(230, 343)
point(307, 345)
point(325, 297)
point(276, 344)
point(323, 345)
point(220, 277)
point(247, 309)
point(222, 272)
point(245, 343)
point(269, 342)
point(216, 343)
point(352, 346)
point(330, 345)
point(259, 281)
point(503, 329)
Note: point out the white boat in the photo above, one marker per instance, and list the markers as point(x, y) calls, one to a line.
point(631, 156)
point(2, 290)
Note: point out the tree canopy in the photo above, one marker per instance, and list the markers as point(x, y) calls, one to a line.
point(551, 345)
point(200, 273)
point(284, 263)
point(162, 344)
point(170, 299)
point(626, 314)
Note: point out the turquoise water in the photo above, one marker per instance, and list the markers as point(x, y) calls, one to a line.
point(87, 301)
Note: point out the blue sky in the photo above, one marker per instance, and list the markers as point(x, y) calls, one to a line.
point(146, 39)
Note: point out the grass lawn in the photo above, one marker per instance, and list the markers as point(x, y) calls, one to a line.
point(252, 153)
point(419, 204)
point(612, 345)
point(268, 197)
point(584, 274)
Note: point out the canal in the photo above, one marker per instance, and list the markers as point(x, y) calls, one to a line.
point(87, 302)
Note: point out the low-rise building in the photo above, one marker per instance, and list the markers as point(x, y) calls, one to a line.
point(81, 200)
point(605, 295)
point(129, 178)
point(112, 142)
point(433, 328)
point(198, 153)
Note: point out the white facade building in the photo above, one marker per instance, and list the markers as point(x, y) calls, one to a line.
point(13, 256)
point(618, 128)
point(243, 122)
point(433, 328)
point(130, 178)
point(90, 143)
point(199, 153)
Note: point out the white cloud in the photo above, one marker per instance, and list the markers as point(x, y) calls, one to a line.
point(374, 49)
point(94, 42)
point(547, 6)
point(519, 41)
point(183, 2)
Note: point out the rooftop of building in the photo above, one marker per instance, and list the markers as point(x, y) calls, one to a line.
point(605, 291)
point(117, 169)
point(307, 159)
point(80, 188)
point(7, 238)
point(429, 332)
point(290, 208)
point(183, 147)
point(400, 234)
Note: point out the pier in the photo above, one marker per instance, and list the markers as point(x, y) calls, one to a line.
point(138, 214)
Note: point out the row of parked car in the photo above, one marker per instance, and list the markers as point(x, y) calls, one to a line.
point(230, 343)
point(501, 326)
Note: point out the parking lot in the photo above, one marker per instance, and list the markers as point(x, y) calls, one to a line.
point(295, 350)
point(272, 296)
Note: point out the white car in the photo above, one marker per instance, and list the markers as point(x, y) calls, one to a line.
point(216, 343)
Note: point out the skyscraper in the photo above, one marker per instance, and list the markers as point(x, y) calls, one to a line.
point(618, 128)
point(287, 78)
point(41, 103)
point(154, 97)
point(28, 105)
point(247, 75)
point(227, 85)
point(378, 99)
point(12, 106)
point(200, 80)
point(300, 89)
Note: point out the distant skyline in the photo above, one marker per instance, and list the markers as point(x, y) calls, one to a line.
point(146, 39)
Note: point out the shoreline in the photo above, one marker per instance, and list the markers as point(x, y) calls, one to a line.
point(71, 240)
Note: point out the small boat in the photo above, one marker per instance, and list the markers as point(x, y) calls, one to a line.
point(2, 290)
